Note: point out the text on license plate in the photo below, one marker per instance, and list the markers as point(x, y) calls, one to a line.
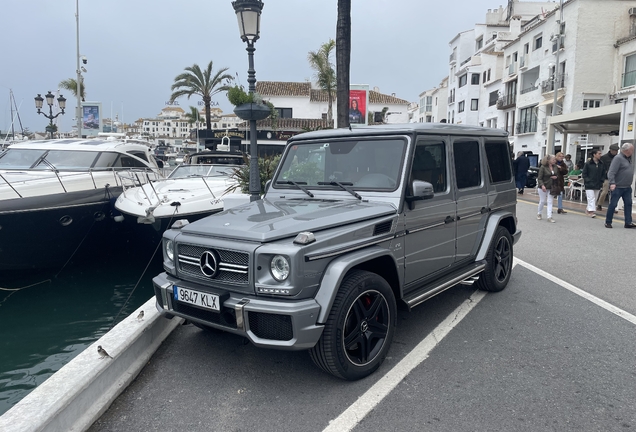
point(197, 298)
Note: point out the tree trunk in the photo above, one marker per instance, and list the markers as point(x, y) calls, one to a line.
point(207, 101)
point(330, 109)
point(343, 61)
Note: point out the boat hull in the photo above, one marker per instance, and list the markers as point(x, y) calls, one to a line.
point(47, 231)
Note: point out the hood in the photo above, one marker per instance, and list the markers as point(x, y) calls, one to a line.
point(266, 220)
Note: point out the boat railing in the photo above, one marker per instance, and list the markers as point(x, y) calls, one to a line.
point(126, 178)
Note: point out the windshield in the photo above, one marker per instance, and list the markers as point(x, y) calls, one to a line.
point(19, 158)
point(185, 171)
point(363, 164)
point(68, 159)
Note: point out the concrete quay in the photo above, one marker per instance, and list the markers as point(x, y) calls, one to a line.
point(81, 391)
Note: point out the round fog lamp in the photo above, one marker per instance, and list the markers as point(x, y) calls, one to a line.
point(280, 268)
point(169, 250)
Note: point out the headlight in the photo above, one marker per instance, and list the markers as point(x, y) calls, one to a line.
point(280, 268)
point(170, 250)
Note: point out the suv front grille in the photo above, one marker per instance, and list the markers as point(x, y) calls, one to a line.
point(233, 266)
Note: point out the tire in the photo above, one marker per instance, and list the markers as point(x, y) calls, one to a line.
point(496, 275)
point(359, 329)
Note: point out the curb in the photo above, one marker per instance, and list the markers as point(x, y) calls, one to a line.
point(81, 391)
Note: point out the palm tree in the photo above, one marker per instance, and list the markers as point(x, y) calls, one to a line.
point(343, 60)
point(320, 61)
point(71, 85)
point(193, 116)
point(203, 83)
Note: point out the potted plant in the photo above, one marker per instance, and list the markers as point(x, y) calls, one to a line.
point(250, 106)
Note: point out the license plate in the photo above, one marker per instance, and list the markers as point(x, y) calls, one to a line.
point(197, 298)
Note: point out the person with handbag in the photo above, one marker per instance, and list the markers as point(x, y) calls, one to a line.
point(545, 179)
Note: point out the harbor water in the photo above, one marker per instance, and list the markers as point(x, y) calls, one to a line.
point(44, 326)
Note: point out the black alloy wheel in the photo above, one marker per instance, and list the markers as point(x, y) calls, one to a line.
point(359, 329)
point(496, 275)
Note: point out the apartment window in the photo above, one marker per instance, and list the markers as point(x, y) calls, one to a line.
point(284, 112)
point(526, 48)
point(474, 79)
point(429, 119)
point(460, 107)
point(463, 80)
point(484, 78)
point(492, 98)
point(591, 103)
point(629, 77)
point(479, 43)
point(474, 104)
point(538, 42)
point(527, 121)
point(429, 103)
point(488, 74)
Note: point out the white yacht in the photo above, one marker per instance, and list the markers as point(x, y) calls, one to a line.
point(195, 189)
point(56, 195)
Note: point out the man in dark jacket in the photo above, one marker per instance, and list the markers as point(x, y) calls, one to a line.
point(521, 165)
point(593, 174)
point(620, 176)
point(607, 161)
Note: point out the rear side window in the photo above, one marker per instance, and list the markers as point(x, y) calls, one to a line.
point(467, 165)
point(498, 155)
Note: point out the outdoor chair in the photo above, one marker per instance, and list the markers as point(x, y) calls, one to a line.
point(575, 184)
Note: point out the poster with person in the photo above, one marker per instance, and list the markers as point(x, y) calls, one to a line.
point(91, 119)
point(358, 103)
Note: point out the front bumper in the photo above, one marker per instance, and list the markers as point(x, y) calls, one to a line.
point(265, 321)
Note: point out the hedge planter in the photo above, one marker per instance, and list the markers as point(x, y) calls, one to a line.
point(252, 111)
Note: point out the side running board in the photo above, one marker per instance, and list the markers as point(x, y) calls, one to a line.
point(467, 275)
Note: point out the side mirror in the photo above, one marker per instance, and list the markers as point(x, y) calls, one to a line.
point(159, 163)
point(422, 190)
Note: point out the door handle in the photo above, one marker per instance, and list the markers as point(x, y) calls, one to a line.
point(449, 219)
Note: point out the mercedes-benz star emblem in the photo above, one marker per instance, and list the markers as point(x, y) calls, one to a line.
point(208, 263)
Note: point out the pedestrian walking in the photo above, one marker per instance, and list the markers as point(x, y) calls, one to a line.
point(546, 177)
point(593, 173)
point(620, 176)
point(521, 165)
point(607, 162)
point(559, 189)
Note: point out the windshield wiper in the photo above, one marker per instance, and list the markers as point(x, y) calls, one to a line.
point(343, 186)
point(297, 184)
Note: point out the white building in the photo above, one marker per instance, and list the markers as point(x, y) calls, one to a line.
point(507, 73)
point(298, 100)
point(434, 103)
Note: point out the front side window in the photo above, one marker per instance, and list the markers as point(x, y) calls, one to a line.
point(361, 164)
point(429, 164)
point(467, 165)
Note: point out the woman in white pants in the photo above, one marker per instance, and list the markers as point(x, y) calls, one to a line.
point(547, 175)
point(593, 174)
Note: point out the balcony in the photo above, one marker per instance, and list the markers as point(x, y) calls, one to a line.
point(507, 101)
point(528, 90)
point(523, 61)
point(451, 99)
point(529, 126)
point(453, 58)
point(512, 69)
point(629, 79)
point(549, 84)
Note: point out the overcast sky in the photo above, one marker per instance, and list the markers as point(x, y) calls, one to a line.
point(135, 48)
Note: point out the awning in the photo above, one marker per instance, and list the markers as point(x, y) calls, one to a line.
point(600, 120)
point(551, 101)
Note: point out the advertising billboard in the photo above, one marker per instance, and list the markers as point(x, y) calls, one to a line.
point(358, 104)
point(91, 118)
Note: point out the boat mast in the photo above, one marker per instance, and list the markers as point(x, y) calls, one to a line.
point(79, 83)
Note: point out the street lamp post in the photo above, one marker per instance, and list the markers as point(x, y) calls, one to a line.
point(248, 13)
point(49, 100)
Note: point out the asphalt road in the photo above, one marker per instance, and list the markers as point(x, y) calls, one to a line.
point(535, 357)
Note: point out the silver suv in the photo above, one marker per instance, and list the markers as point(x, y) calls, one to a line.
point(353, 224)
